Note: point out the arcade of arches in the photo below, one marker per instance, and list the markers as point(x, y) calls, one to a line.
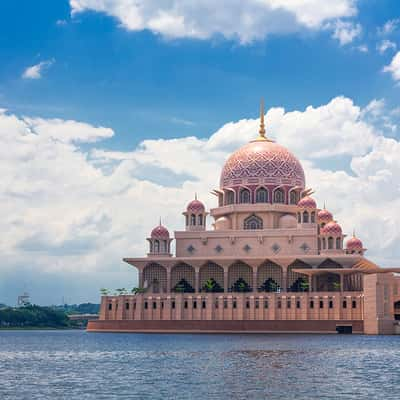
point(241, 277)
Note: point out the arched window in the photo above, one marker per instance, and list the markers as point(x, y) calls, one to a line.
point(313, 217)
point(279, 196)
point(156, 246)
point(323, 243)
point(151, 246)
point(261, 195)
point(253, 222)
point(187, 220)
point(200, 219)
point(330, 243)
point(293, 197)
point(192, 219)
point(338, 243)
point(299, 218)
point(229, 197)
point(244, 196)
point(305, 217)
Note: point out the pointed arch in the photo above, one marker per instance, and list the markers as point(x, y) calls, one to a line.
point(211, 278)
point(155, 276)
point(329, 263)
point(253, 222)
point(269, 277)
point(261, 195)
point(296, 281)
point(183, 278)
point(240, 277)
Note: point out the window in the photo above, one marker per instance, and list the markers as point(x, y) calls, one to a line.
point(279, 304)
point(156, 246)
point(253, 222)
point(146, 305)
point(323, 243)
point(200, 219)
point(192, 219)
point(162, 304)
point(313, 217)
point(187, 220)
point(194, 304)
point(173, 304)
point(330, 243)
point(234, 304)
point(154, 305)
point(247, 304)
point(330, 304)
point(185, 304)
point(265, 303)
point(298, 304)
point(216, 303)
point(312, 304)
point(305, 217)
point(230, 197)
point(289, 304)
point(344, 304)
point(279, 196)
point(299, 218)
point(321, 304)
point(244, 196)
point(338, 243)
point(293, 197)
point(126, 306)
point(203, 304)
point(134, 306)
point(110, 306)
point(261, 195)
point(257, 304)
point(354, 304)
point(225, 303)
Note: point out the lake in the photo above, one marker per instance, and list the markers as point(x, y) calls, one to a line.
point(80, 365)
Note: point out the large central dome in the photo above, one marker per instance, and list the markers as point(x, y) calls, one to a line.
point(262, 162)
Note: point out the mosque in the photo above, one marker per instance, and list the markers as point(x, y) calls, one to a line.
point(272, 262)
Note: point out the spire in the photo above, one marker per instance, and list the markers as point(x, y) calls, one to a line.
point(354, 232)
point(324, 205)
point(160, 221)
point(195, 195)
point(262, 126)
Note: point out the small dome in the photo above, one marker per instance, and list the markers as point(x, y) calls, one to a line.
point(287, 221)
point(195, 206)
point(307, 202)
point(160, 232)
point(331, 229)
point(325, 216)
point(223, 224)
point(354, 245)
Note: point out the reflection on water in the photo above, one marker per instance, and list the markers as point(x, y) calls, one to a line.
point(79, 365)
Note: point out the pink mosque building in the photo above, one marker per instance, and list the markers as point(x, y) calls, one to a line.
point(272, 262)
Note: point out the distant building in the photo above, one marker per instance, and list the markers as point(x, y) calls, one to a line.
point(23, 299)
point(274, 261)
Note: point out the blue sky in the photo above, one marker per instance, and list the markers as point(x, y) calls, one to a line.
point(84, 83)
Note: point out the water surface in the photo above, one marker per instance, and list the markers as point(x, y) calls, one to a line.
point(80, 365)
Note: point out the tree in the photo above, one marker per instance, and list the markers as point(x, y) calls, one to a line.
point(104, 292)
point(138, 290)
point(241, 286)
point(183, 286)
point(212, 286)
point(269, 285)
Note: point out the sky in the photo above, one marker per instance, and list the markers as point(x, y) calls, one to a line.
point(115, 112)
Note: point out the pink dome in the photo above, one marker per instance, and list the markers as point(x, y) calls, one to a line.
point(262, 162)
point(354, 244)
point(195, 206)
point(160, 232)
point(307, 202)
point(325, 216)
point(332, 229)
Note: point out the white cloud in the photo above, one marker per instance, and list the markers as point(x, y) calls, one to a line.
point(72, 213)
point(345, 31)
point(35, 71)
point(389, 27)
point(246, 20)
point(394, 67)
point(386, 45)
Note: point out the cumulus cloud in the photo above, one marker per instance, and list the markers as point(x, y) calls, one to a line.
point(71, 212)
point(389, 27)
point(36, 71)
point(246, 20)
point(394, 67)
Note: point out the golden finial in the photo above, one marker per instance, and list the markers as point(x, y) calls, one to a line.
point(354, 232)
point(262, 126)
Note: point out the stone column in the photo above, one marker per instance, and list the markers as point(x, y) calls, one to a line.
point(196, 279)
point(255, 284)
point(226, 280)
point(168, 279)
